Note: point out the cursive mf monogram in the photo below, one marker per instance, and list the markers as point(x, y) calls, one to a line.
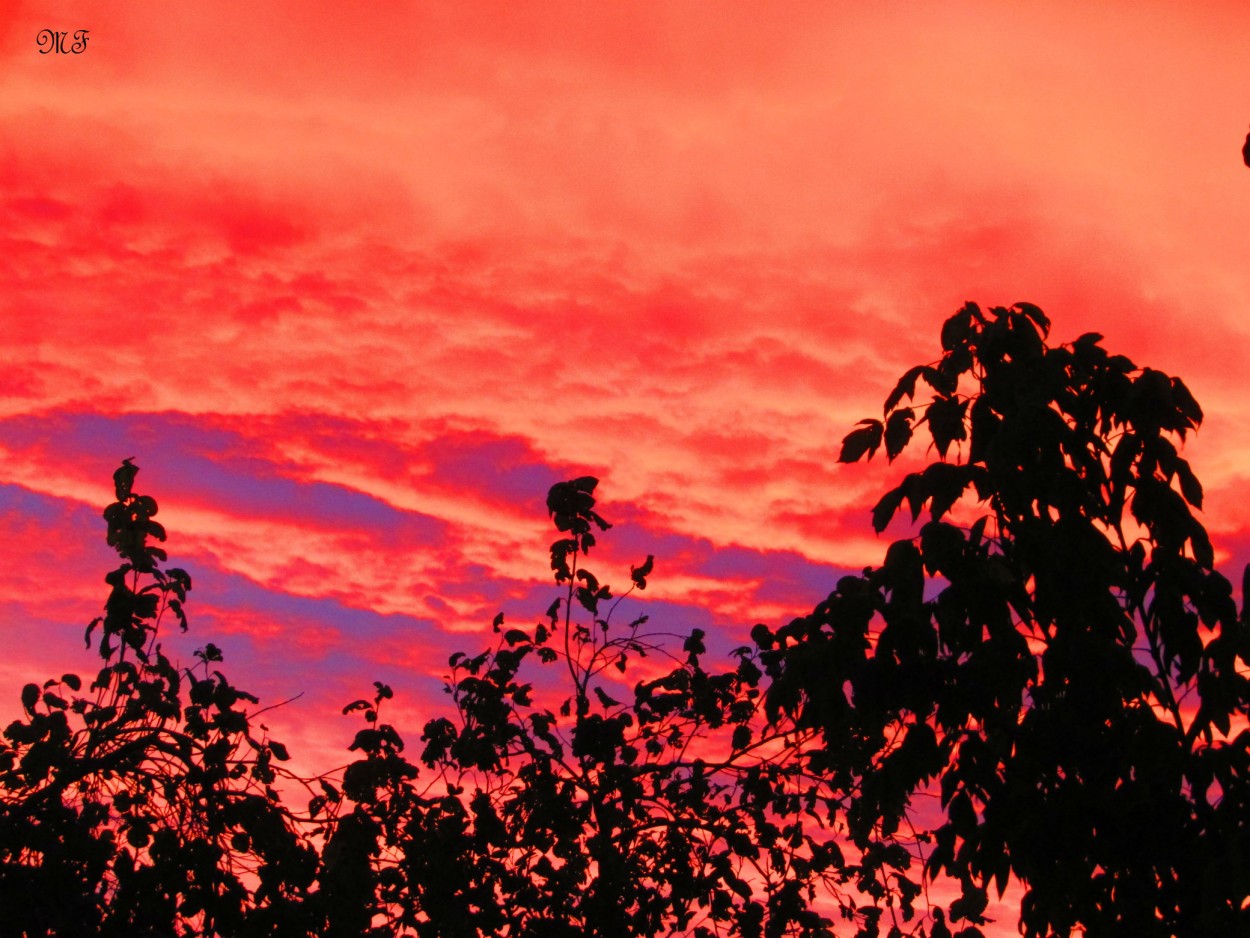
point(50, 40)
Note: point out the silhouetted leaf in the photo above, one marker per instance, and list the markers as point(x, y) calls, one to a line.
point(898, 431)
point(1185, 402)
point(946, 421)
point(640, 573)
point(124, 478)
point(605, 700)
point(863, 441)
point(906, 387)
point(1191, 488)
point(884, 510)
point(1035, 314)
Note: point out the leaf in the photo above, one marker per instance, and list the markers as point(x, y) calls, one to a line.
point(944, 484)
point(884, 510)
point(179, 613)
point(963, 816)
point(858, 442)
point(1088, 338)
point(279, 751)
point(956, 330)
point(898, 431)
point(1191, 488)
point(1185, 402)
point(942, 545)
point(939, 380)
point(366, 741)
point(584, 484)
point(639, 574)
point(1204, 554)
point(1034, 313)
point(124, 478)
point(737, 884)
point(906, 387)
point(588, 599)
point(331, 792)
point(694, 642)
point(946, 422)
point(741, 737)
point(498, 622)
point(605, 699)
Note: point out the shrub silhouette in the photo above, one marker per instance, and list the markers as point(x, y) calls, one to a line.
point(1046, 682)
point(150, 806)
point(145, 805)
point(674, 812)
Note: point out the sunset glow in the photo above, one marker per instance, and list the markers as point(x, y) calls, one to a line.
point(355, 288)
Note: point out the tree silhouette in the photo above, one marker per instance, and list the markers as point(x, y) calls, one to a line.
point(1052, 658)
point(150, 805)
point(145, 806)
point(1046, 682)
point(671, 813)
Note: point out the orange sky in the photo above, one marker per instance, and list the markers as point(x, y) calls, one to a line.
point(354, 287)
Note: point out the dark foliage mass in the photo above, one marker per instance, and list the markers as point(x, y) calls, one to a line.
point(143, 803)
point(1069, 681)
point(1045, 683)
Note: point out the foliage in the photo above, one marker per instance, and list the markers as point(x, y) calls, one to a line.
point(668, 813)
point(1045, 683)
point(148, 804)
point(1052, 657)
point(145, 805)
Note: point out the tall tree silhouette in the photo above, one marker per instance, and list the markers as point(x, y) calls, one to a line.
point(1052, 655)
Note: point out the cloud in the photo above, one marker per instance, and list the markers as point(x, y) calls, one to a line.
point(356, 291)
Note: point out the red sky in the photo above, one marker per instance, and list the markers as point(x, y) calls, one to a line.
point(355, 286)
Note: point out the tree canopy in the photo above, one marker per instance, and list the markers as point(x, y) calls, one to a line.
point(1054, 656)
point(1044, 683)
